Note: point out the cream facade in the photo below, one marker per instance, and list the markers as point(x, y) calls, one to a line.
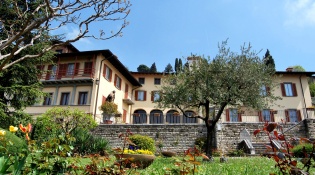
point(83, 80)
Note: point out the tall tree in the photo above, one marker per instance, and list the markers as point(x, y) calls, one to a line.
point(143, 68)
point(180, 65)
point(23, 22)
point(230, 79)
point(268, 60)
point(153, 68)
point(168, 68)
point(176, 64)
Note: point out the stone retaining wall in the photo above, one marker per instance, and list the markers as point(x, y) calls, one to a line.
point(179, 137)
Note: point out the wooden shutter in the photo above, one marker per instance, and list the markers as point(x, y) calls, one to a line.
point(298, 114)
point(152, 95)
point(260, 118)
point(87, 68)
point(227, 115)
point(239, 117)
point(287, 117)
point(145, 95)
point(62, 70)
point(124, 115)
point(136, 95)
point(110, 75)
point(272, 116)
point(267, 90)
point(294, 90)
point(76, 68)
point(49, 69)
point(282, 89)
point(126, 90)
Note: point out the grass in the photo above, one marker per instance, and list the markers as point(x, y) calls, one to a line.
point(234, 166)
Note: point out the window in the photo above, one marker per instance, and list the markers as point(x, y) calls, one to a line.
point(141, 80)
point(64, 100)
point(155, 96)
point(88, 67)
point(83, 98)
point(264, 91)
point(157, 81)
point(288, 89)
point(107, 73)
point(70, 69)
point(266, 115)
point(233, 115)
point(140, 95)
point(51, 72)
point(48, 99)
point(117, 82)
point(293, 115)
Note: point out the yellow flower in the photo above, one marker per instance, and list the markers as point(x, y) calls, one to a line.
point(2, 132)
point(13, 129)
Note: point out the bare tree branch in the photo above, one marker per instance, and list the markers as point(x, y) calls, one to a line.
point(31, 23)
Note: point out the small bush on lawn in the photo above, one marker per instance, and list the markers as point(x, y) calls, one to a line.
point(236, 153)
point(298, 150)
point(200, 142)
point(143, 142)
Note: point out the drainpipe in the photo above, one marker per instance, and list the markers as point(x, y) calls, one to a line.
point(98, 85)
point(303, 96)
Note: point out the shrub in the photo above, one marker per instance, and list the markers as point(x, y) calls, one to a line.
point(17, 145)
point(143, 142)
point(200, 142)
point(58, 121)
point(298, 150)
point(236, 153)
point(86, 143)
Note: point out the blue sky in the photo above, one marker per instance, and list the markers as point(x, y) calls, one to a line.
point(160, 31)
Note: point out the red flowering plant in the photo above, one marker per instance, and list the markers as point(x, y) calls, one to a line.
point(284, 156)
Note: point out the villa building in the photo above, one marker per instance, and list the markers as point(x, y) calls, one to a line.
point(83, 80)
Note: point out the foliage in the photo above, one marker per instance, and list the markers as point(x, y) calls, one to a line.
point(229, 79)
point(283, 157)
point(87, 143)
point(200, 143)
point(168, 68)
point(269, 61)
point(17, 146)
point(153, 68)
point(189, 162)
point(298, 68)
point(300, 149)
point(236, 153)
point(25, 23)
point(68, 119)
point(143, 142)
point(143, 68)
point(15, 119)
point(176, 64)
point(312, 89)
point(109, 108)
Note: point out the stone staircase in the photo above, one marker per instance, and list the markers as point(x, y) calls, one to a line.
point(260, 147)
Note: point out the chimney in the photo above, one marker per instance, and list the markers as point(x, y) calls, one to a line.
point(289, 69)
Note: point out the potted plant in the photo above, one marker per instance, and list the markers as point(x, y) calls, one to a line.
point(109, 110)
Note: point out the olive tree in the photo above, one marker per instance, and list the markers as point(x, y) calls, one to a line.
point(26, 22)
point(229, 79)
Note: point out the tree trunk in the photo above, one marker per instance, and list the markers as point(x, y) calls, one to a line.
point(210, 139)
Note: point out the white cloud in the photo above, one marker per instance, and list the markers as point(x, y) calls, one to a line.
point(300, 13)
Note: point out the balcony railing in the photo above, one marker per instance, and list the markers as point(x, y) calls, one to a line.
point(66, 75)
